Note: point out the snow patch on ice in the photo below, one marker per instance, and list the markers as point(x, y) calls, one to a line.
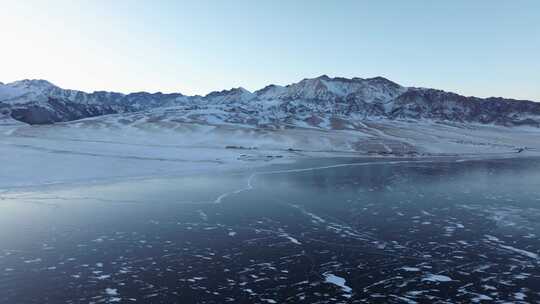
point(526, 253)
point(338, 281)
point(437, 278)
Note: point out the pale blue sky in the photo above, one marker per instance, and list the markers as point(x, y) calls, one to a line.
point(482, 48)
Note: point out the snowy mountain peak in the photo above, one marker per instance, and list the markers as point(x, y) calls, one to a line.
point(241, 89)
point(36, 84)
point(25, 90)
point(380, 80)
point(323, 77)
point(271, 92)
point(230, 96)
point(232, 91)
point(325, 88)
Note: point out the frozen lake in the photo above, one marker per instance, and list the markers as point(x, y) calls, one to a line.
point(317, 231)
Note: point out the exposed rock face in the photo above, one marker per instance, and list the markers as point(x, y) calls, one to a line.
point(440, 105)
point(40, 102)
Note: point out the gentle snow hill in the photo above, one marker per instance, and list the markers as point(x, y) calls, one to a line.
point(308, 101)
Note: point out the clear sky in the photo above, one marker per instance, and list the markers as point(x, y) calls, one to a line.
point(481, 47)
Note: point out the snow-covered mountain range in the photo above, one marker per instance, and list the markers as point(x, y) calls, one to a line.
point(323, 102)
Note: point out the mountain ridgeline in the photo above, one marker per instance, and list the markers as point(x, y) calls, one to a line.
point(40, 102)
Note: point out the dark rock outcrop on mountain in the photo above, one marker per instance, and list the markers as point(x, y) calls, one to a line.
point(40, 102)
point(440, 105)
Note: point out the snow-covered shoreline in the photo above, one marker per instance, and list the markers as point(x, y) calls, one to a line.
point(103, 150)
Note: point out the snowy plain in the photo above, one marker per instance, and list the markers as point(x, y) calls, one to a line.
point(121, 146)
